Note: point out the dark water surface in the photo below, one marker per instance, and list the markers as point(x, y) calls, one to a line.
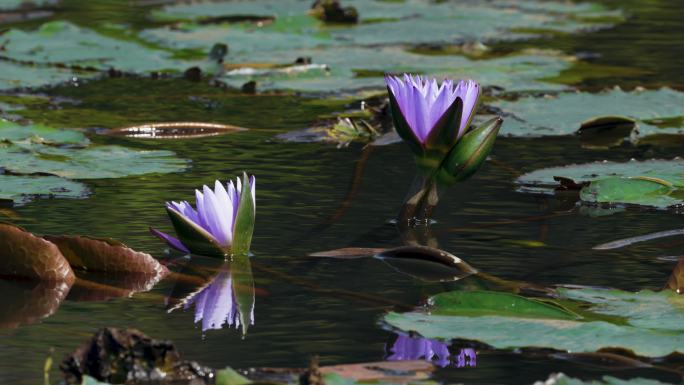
point(303, 306)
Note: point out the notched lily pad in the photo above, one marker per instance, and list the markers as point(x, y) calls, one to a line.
point(426, 263)
point(105, 255)
point(174, 130)
point(26, 256)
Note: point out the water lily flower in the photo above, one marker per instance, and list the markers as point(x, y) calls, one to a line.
point(221, 223)
point(431, 115)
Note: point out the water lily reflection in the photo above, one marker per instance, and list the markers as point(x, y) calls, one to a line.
point(227, 300)
point(408, 347)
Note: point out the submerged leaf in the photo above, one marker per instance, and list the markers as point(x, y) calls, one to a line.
point(26, 256)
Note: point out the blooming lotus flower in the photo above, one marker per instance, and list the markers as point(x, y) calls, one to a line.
point(431, 116)
point(220, 225)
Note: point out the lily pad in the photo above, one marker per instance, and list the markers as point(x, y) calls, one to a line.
point(18, 4)
point(38, 133)
point(22, 189)
point(657, 183)
point(93, 162)
point(15, 75)
point(26, 256)
point(413, 21)
point(650, 324)
point(106, 256)
point(562, 379)
point(174, 130)
point(562, 114)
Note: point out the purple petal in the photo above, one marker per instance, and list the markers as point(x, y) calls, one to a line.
point(212, 214)
point(171, 241)
point(468, 91)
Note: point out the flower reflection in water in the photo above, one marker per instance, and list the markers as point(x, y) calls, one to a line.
point(408, 347)
point(227, 300)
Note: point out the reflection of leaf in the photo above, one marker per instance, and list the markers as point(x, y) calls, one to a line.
point(22, 189)
point(651, 325)
point(569, 110)
point(23, 255)
point(27, 303)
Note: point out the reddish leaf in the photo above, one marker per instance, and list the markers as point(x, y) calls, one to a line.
point(106, 256)
point(25, 256)
point(29, 302)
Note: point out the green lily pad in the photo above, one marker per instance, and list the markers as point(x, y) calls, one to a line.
point(8, 5)
point(22, 189)
point(94, 162)
point(14, 75)
point(671, 171)
point(563, 114)
point(562, 379)
point(414, 21)
point(657, 183)
point(651, 324)
point(638, 191)
point(481, 303)
point(38, 133)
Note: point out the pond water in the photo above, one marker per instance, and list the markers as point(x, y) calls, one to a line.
point(315, 196)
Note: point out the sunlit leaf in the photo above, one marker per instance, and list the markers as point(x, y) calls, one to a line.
point(638, 191)
point(229, 376)
point(562, 379)
point(174, 130)
point(26, 256)
point(569, 110)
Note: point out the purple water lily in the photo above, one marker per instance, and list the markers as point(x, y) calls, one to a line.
point(215, 215)
point(422, 101)
point(217, 305)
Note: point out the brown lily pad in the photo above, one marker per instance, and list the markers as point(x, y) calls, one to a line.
point(174, 130)
point(27, 303)
point(349, 252)
point(384, 371)
point(26, 256)
point(427, 263)
point(106, 256)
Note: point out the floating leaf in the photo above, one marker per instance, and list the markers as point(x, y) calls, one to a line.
point(651, 324)
point(426, 263)
point(38, 133)
point(656, 183)
point(174, 130)
point(94, 162)
point(26, 256)
point(106, 256)
point(383, 372)
point(383, 23)
point(532, 117)
point(668, 170)
point(22, 189)
point(562, 379)
point(19, 4)
point(229, 376)
point(481, 303)
point(638, 191)
point(29, 302)
point(349, 252)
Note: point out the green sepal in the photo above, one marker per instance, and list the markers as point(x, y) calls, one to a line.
point(470, 152)
point(243, 288)
point(403, 129)
point(198, 240)
point(244, 220)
